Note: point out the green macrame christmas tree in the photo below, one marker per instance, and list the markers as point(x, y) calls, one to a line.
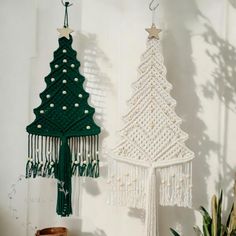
point(63, 139)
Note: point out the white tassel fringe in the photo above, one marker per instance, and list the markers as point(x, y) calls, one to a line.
point(176, 185)
point(151, 224)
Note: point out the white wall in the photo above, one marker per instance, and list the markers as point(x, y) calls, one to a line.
point(200, 55)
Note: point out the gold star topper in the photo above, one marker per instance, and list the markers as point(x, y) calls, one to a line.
point(153, 32)
point(65, 32)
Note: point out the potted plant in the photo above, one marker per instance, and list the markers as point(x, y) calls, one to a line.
point(212, 223)
point(55, 231)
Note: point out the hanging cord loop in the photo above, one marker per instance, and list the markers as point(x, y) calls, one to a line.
point(66, 5)
point(153, 6)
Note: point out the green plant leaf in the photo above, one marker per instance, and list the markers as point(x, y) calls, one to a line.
point(224, 230)
point(206, 230)
point(214, 208)
point(197, 230)
point(228, 219)
point(219, 209)
point(204, 212)
point(174, 232)
point(207, 221)
point(233, 233)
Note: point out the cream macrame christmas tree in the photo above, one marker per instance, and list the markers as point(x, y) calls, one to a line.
point(152, 156)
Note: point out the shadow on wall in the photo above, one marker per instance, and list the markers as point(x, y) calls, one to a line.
point(233, 3)
point(97, 232)
point(223, 85)
point(75, 230)
point(97, 84)
point(177, 48)
point(137, 213)
point(74, 226)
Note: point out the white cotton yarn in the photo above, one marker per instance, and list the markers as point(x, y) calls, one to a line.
point(152, 152)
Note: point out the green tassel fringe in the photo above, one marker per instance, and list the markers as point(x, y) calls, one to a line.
point(64, 206)
point(52, 157)
point(50, 170)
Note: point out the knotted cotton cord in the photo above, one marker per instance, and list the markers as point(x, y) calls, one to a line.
point(66, 19)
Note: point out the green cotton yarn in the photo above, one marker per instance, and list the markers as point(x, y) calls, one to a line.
point(64, 124)
point(64, 111)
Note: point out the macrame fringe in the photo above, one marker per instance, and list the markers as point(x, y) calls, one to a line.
point(85, 156)
point(176, 185)
point(64, 204)
point(43, 156)
point(128, 185)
